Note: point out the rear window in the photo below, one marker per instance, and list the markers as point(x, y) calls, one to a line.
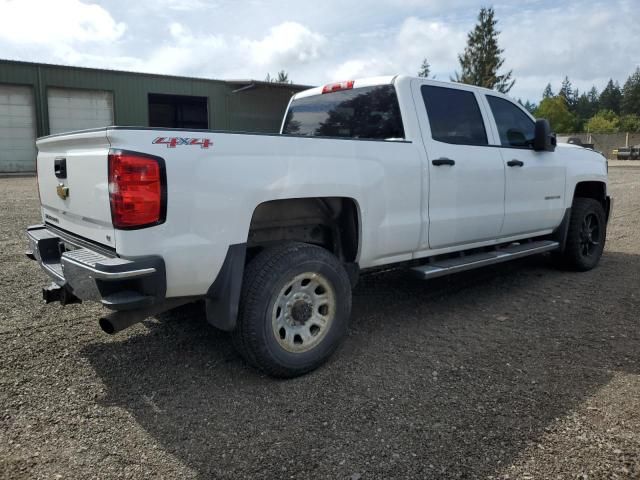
point(368, 113)
point(454, 116)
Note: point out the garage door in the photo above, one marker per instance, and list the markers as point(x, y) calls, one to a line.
point(17, 129)
point(71, 109)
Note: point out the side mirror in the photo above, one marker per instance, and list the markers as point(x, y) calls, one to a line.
point(545, 139)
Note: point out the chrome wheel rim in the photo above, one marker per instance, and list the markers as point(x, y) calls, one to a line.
point(303, 312)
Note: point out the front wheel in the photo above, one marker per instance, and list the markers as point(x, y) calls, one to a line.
point(586, 234)
point(294, 309)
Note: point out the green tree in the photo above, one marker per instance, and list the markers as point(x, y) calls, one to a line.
point(556, 111)
point(631, 94)
point(573, 101)
point(282, 77)
point(566, 90)
point(425, 69)
point(630, 123)
point(547, 93)
point(530, 106)
point(611, 97)
point(482, 57)
point(605, 121)
point(586, 106)
point(594, 98)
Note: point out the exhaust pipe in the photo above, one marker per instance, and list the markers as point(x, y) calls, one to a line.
point(117, 321)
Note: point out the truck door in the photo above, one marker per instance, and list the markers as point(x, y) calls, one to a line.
point(465, 173)
point(535, 181)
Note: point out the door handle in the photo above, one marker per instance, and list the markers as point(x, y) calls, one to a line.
point(443, 161)
point(515, 163)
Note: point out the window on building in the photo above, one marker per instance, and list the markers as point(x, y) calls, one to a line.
point(454, 116)
point(178, 111)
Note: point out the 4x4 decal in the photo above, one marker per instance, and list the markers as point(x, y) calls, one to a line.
point(173, 142)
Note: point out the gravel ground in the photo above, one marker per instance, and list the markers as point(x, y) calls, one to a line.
point(514, 371)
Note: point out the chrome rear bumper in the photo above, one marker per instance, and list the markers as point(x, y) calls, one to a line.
point(117, 283)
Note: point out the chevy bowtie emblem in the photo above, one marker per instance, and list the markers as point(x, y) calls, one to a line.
point(63, 192)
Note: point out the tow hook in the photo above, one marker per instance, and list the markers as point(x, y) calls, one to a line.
point(56, 293)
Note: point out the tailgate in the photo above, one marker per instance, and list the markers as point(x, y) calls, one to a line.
point(73, 184)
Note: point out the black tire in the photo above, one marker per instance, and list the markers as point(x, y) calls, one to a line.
point(583, 251)
point(266, 280)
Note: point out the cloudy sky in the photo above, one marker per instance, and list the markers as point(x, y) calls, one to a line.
point(326, 40)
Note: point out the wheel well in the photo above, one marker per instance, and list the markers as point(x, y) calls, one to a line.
point(331, 222)
point(595, 190)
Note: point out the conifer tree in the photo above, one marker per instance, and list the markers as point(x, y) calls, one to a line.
point(425, 69)
point(547, 93)
point(611, 97)
point(566, 89)
point(482, 57)
point(631, 94)
point(283, 77)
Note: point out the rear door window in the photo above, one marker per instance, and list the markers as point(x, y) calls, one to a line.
point(454, 116)
point(365, 113)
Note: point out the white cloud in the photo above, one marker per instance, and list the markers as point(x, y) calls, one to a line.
point(437, 41)
point(404, 51)
point(286, 44)
point(177, 31)
point(432, 6)
point(590, 45)
point(64, 22)
point(589, 40)
point(362, 68)
point(184, 52)
point(185, 5)
point(61, 31)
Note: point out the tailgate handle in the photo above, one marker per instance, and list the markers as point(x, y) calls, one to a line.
point(60, 167)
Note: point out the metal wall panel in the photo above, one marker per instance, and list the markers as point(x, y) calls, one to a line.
point(17, 129)
point(231, 106)
point(259, 109)
point(74, 109)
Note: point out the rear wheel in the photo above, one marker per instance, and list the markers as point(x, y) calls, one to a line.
point(586, 234)
point(294, 310)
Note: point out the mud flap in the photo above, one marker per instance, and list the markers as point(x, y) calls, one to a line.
point(223, 296)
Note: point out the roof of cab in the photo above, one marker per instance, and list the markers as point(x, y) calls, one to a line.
point(393, 79)
point(358, 83)
point(386, 80)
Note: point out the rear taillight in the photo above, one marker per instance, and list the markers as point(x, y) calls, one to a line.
point(137, 189)
point(336, 87)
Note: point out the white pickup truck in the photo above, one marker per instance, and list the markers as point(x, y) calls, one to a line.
point(272, 231)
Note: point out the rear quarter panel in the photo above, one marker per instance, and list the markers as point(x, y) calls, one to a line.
point(213, 192)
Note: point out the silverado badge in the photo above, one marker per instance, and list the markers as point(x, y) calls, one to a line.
point(63, 192)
